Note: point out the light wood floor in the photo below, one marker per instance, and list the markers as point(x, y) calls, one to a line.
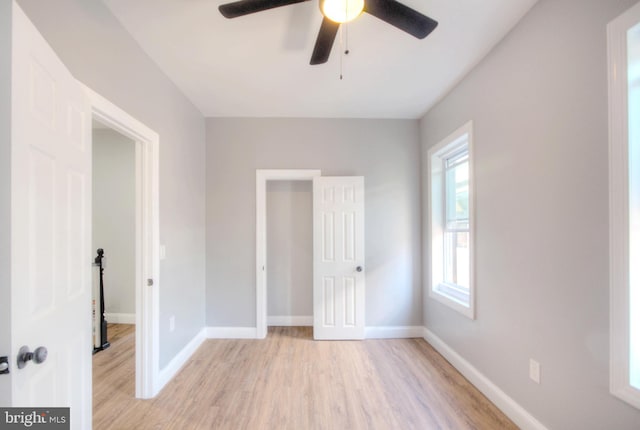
point(289, 381)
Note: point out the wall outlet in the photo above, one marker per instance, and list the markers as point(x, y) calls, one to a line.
point(172, 323)
point(534, 371)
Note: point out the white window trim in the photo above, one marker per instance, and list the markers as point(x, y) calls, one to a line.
point(464, 133)
point(619, 344)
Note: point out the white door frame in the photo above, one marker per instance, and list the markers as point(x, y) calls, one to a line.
point(262, 176)
point(147, 237)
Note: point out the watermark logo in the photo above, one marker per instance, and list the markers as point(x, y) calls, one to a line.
point(35, 418)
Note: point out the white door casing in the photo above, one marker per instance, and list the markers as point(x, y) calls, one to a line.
point(338, 258)
point(50, 227)
point(262, 176)
point(148, 378)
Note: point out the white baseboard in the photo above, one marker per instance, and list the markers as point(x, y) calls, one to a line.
point(290, 321)
point(174, 366)
point(117, 318)
point(506, 404)
point(231, 332)
point(393, 332)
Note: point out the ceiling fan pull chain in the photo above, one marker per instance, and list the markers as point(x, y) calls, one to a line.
point(346, 29)
point(341, 43)
point(346, 39)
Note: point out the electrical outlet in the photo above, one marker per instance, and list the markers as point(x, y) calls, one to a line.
point(172, 323)
point(534, 371)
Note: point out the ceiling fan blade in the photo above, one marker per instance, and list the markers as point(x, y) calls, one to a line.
point(401, 16)
point(324, 42)
point(246, 7)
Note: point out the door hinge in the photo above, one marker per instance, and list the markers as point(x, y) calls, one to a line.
point(149, 282)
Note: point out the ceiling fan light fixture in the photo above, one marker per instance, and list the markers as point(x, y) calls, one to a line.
point(341, 11)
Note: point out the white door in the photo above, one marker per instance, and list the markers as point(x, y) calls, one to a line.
point(338, 258)
point(50, 228)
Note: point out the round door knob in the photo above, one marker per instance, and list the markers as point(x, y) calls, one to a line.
point(359, 269)
point(38, 356)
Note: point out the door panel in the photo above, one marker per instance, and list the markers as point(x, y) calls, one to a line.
point(50, 205)
point(40, 207)
point(328, 241)
point(349, 238)
point(76, 195)
point(338, 229)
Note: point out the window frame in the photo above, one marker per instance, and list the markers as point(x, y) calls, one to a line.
point(619, 286)
point(440, 290)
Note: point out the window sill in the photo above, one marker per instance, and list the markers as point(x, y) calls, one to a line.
point(455, 297)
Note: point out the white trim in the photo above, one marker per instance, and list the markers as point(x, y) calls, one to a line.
point(506, 404)
point(119, 318)
point(434, 225)
point(619, 344)
point(262, 176)
point(290, 321)
point(147, 237)
point(180, 359)
point(231, 333)
point(394, 332)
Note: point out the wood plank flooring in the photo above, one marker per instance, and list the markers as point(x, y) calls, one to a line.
point(114, 375)
point(289, 381)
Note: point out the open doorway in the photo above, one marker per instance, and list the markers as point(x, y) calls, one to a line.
point(290, 251)
point(114, 219)
point(114, 246)
point(263, 177)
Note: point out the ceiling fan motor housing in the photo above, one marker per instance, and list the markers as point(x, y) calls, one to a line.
point(341, 11)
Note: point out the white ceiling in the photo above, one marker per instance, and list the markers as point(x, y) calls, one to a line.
point(258, 65)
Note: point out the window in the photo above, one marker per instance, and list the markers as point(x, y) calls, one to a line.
point(451, 221)
point(624, 204)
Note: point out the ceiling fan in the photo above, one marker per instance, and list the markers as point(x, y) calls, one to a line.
point(336, 12)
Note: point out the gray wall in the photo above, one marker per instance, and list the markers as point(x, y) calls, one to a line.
point(5, 193)
point(539, 106)
point(101, 54)
point(385, 152)
point(114, 217)
point(290, 248)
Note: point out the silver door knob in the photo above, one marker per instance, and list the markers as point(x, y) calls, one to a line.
point(38, 356)
point(359, 269)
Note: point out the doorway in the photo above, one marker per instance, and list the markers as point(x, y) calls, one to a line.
point(338, 253)
point(262, 176)
point(114, 221)
point(146, 238)
point(115, 261)
point(290, 251)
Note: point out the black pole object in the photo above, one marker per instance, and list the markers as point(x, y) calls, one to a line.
point(104, 343)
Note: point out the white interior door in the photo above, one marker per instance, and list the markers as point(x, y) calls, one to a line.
point(338, 258)
point(50, 228)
